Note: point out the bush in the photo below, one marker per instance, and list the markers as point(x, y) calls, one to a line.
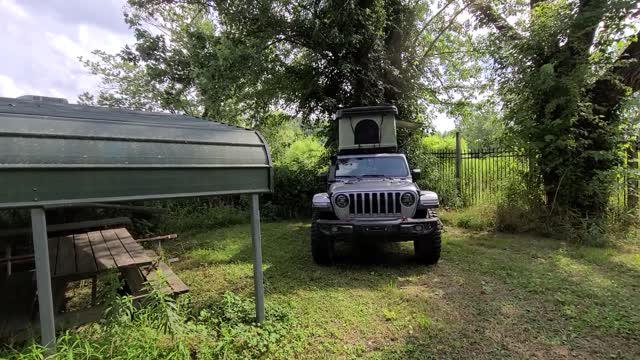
point(296, 179)
point(522, 210)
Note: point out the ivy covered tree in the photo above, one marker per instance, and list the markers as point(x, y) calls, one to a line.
point(565, 67)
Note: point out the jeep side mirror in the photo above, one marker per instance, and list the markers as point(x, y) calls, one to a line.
point(416, 174)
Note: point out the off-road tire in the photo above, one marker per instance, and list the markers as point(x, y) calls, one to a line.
point(322, 246)
point(427, 247)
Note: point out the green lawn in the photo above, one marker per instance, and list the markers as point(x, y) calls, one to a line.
point(491, 295)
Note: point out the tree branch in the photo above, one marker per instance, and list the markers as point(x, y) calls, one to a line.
point(430, 20)
point(490, 16)
point(609, 91)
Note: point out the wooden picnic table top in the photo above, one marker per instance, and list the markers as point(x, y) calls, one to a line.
point(85, 254)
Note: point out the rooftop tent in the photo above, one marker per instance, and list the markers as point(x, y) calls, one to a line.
point(53, 153)
point(366, 128)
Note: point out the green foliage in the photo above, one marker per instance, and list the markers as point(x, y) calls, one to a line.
point(562, 81)
point(234, 61)
point(480, 217)
point(297, 179)
point(190, 215)
point(521, 210)
point(164, 328)
point(280, 131)
point(442, 142)
point(482, 126)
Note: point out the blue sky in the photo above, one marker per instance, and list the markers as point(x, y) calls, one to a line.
point(44, 38)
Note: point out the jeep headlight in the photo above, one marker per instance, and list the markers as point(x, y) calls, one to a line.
point(342, 201)
point(408, 199)
point(321, 201)
point(429, 200)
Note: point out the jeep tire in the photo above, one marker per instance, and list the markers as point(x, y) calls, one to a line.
point(322, 246)
point(427, 247)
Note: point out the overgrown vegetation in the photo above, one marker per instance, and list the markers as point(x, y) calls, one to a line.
point(161, 328)
point(564, 71)
point(491, 296)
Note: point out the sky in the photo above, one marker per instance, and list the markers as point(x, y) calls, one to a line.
point(44, 38)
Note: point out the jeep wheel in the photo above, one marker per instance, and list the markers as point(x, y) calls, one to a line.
point(322, 247)
point(427, 248)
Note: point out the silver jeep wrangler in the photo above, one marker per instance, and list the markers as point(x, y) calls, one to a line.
point(374, 196)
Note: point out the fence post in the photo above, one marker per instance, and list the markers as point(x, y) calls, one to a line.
point(458, 163)
point(632, 181)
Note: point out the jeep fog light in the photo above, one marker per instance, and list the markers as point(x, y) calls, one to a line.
point(418, 228)
point(407, 199)
point(342, 201)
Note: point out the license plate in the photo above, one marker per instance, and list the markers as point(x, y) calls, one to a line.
point(374, 228)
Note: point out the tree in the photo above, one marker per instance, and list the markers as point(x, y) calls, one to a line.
point(565, 68)
point(237, 60)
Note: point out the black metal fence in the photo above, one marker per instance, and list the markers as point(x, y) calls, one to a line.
point(478, 176)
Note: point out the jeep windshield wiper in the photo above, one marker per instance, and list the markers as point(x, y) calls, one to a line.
point(374, 175)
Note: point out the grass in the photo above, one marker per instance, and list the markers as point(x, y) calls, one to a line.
point(479, 217)
point(491, 296)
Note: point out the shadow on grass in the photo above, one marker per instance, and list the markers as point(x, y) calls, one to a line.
point(530, 297)
point(491, 294)
point(288, 263)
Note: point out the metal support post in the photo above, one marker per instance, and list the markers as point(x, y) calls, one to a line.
point(43, 277)
point(257, 258)
point(458, 163)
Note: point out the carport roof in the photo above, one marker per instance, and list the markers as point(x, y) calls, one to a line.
point(66, 153)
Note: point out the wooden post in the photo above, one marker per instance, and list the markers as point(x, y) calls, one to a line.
point(632, 181)
point(458, 163)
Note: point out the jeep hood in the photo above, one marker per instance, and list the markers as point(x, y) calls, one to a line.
point(372, 185)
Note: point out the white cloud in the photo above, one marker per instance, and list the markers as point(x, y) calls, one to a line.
point(7, 86)
point(43, 39)
point(13, 10)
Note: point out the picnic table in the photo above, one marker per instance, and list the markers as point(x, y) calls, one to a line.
point(80, 256)
point(84, 255)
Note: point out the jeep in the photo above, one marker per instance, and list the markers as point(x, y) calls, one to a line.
point(371, 192)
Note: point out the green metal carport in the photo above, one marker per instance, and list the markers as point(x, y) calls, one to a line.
point(54, 154)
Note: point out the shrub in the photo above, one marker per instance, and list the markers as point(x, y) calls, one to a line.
point(296, 179)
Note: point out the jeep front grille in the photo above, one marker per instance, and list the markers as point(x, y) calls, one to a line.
point(374, 204)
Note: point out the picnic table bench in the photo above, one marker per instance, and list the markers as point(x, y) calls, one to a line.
point(81, 256)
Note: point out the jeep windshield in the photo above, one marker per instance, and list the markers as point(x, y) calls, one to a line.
point(371, 166)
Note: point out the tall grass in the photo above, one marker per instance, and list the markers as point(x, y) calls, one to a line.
point(163, 328)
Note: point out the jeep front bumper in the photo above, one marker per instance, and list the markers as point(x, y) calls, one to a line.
point(382, 227)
